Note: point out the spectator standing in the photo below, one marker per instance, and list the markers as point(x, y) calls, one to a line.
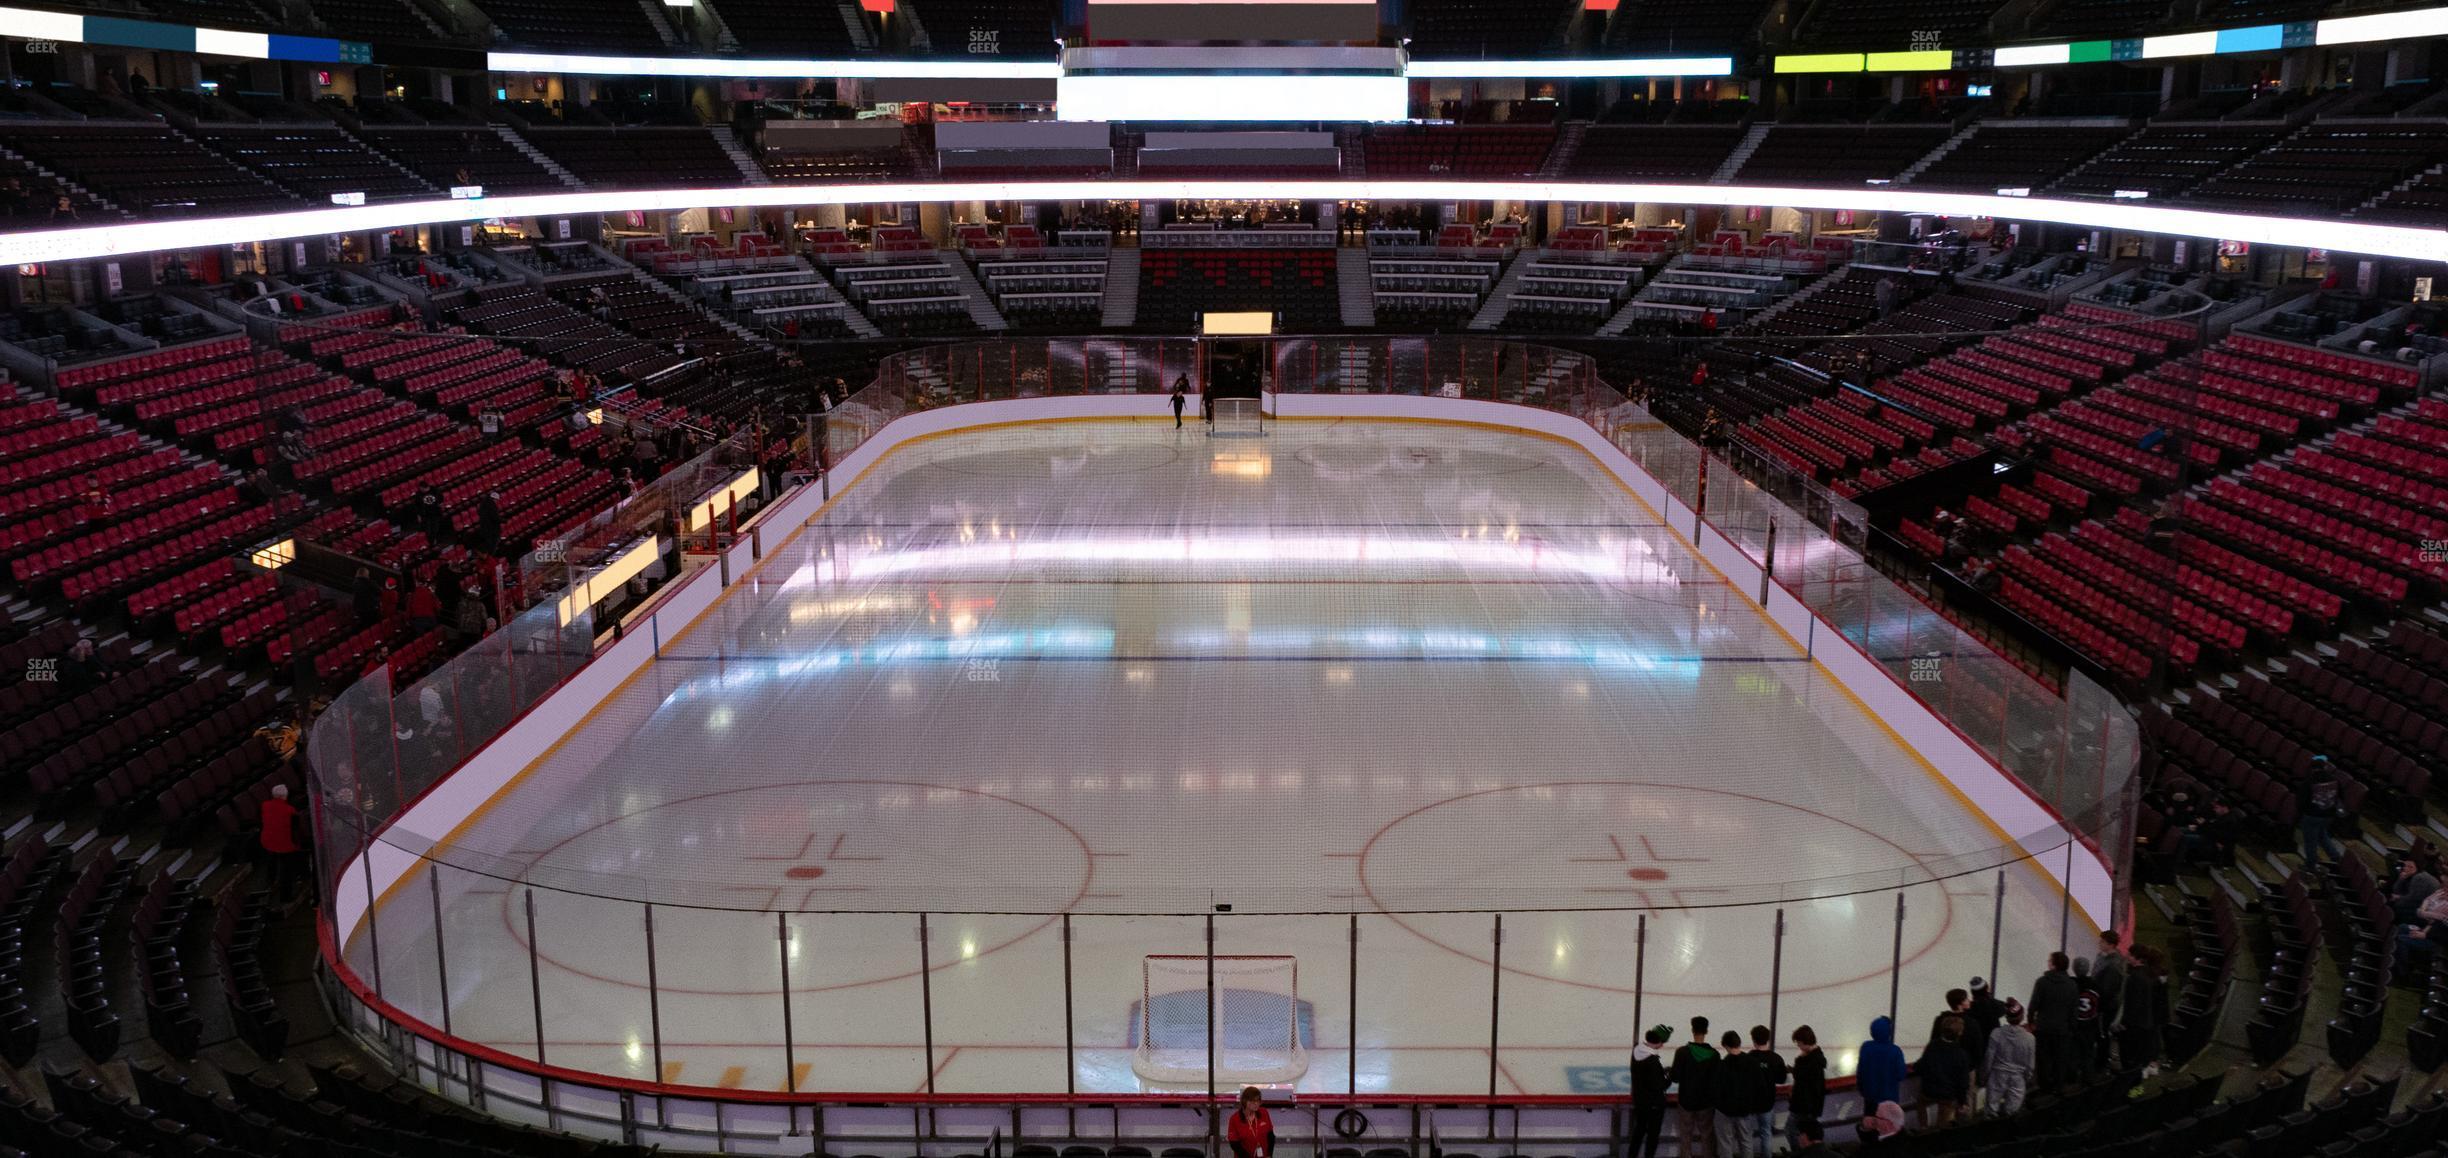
point(2146, 1001)
point(1958, 1003)
point(1981, 1018)
point(2317, 805)
point(1946, 1072)
point(645, 455)
point(1808, 1101)
point(1887, 292)
point(1768, 1072)
point(1649, 1091)
point(489, 519)
point(2089, 1028)
point(365, 598)
point(276, 834)
point(1695, 1073)
point(2108, 976)
point(429, 509)
point(2052, 1024)
point(2008, 1067)
point(1734, 1084)
point(424, 608)
point(469, 618)
point(1880, 1073)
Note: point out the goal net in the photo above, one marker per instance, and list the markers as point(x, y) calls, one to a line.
point(1257, 1014)
point(1238, 418)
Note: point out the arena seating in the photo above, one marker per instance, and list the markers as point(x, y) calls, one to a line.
point(1042, 289)
point(638, 158)
point(903, 162)
point(28, 199)
point(909, 293)
point(1652, 152)
point(1432, 293)
point(2326, 168)
point(2422, 201)
point(442, 155)
point(314, 160)
point(1839, 154)
point(2164, 159)
point(145, 169)
point(1178, 285)
point(1457, 150)
point(2004, 155)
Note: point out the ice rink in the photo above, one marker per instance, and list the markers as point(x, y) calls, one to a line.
point(1077, 673)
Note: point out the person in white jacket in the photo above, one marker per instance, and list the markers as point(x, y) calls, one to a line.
point(2007, 1066)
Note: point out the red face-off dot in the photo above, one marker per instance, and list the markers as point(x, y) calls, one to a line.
point(804, 872)
point(1646, 874)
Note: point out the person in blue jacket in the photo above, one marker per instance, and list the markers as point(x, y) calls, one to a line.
point(1880, 1074)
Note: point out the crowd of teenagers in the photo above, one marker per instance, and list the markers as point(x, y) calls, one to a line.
point(2085, 1018)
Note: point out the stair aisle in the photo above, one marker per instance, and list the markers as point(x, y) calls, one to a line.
point(1357, 287)
point(1122, 289)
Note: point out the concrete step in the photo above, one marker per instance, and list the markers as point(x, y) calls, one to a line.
point(1122, 289)
point(1356, 287)
point(537, 155)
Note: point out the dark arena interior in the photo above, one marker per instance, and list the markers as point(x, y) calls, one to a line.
point(982, 578)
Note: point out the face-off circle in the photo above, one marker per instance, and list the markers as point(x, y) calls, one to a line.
point(815, 847)
point(1678, 851)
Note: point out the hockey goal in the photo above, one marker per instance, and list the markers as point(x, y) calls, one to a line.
point(1260, 1023)
point(1238, 418)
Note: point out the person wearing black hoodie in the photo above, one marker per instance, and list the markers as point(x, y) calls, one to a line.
point(2146, 1002)
point(1767, 1073)
point(1946, 1072)
point(1695, 1075)
point(1809, 1097)
point(1736, 1089)
point(2052, 1026)
point(1981, 1019)
point(1649, 1092)
point(2089, 1027)
point(1958, 1005)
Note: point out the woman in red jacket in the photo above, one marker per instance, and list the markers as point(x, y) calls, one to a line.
point(1252, 1132)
